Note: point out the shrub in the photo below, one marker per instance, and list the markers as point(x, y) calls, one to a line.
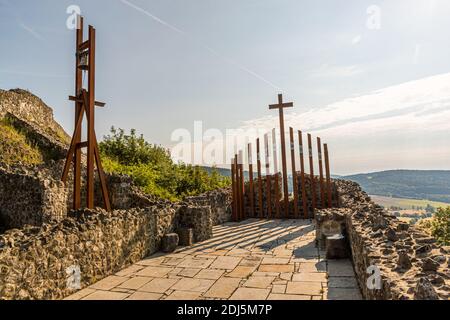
point(152, 168)
point(440, 226)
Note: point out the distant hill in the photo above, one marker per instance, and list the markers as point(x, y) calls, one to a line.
point(413, 184)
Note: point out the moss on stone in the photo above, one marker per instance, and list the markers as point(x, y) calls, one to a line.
point(14, 147)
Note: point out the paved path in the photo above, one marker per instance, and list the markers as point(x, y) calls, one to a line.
point(254, 259)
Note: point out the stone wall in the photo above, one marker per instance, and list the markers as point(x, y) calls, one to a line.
point(30, 198)
point(411, 264)
point(34, 261)
point(32, 110)
point(220, 202)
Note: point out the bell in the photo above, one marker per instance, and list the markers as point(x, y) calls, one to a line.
point(84, 61)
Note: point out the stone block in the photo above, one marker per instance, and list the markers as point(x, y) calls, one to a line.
point(186, 236)
point(170, 242)
point(337, 247)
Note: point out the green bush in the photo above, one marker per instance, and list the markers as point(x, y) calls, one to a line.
point(152, 168)
point(440, 226)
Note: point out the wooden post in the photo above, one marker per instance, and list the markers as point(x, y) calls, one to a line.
point(276, 173)
point(302, 168)
point(321, 175)
point(91, 120)
point(250, 176)
point(234, 191)
point(294, 174)
point(311, 169)
point(268, 179)
point(238, 189)
point(260, 197)
point(242, 184)
point(328, 172)
point(78, 111)
point(280, 106)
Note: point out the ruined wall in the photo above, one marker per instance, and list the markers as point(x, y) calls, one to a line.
point(51, 148)
point(28, 198)
point(220, 202)
point(34, 261)
point(411, 264)
point(29, 108)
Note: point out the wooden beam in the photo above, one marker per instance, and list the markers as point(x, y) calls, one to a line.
point(91, 121)
point(77, 138)
point(233, 186)
point(260, 198)
point(328, 173)
point(321, 175)
point(242, 184)
point(311, 169)
point(250, 174)
point(276, 175)
point(302, 176)
point(268, 179)
point(294, 174)
point(97, 103)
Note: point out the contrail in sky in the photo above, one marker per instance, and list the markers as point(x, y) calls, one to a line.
point(205, 46)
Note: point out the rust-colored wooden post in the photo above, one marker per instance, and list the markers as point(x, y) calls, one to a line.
point(268, 177)
point(91, 121)
point(238, 189)
point(276, 174)
point(311, 169)
point(78, 111)
point(328, 172)
point(280, 106)
point(250, 180)
point(242, 184)
point(321, 175)
point(234, 193)
point(294, 173)
point(302, 168)
point(260, 197)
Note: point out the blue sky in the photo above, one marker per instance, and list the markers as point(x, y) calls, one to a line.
point(164, 64)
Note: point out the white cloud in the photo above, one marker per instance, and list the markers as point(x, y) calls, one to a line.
point(403, 126)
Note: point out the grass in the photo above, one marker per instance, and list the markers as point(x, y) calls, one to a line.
point(14, 147)
point(406, 204)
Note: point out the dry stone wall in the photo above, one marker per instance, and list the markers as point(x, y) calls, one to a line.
point(411, 264)
point(220, 202)
point(30, 198)
point(35, 263)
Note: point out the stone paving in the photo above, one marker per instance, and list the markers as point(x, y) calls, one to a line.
point(251, 260)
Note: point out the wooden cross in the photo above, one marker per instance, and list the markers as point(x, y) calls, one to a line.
point(281, 106)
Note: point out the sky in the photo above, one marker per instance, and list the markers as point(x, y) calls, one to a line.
point(372, 78)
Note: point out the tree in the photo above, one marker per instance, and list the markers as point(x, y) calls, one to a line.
point(430, 209)
point(440, 226)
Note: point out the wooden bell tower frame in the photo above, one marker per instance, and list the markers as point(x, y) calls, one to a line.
point(85, 104)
